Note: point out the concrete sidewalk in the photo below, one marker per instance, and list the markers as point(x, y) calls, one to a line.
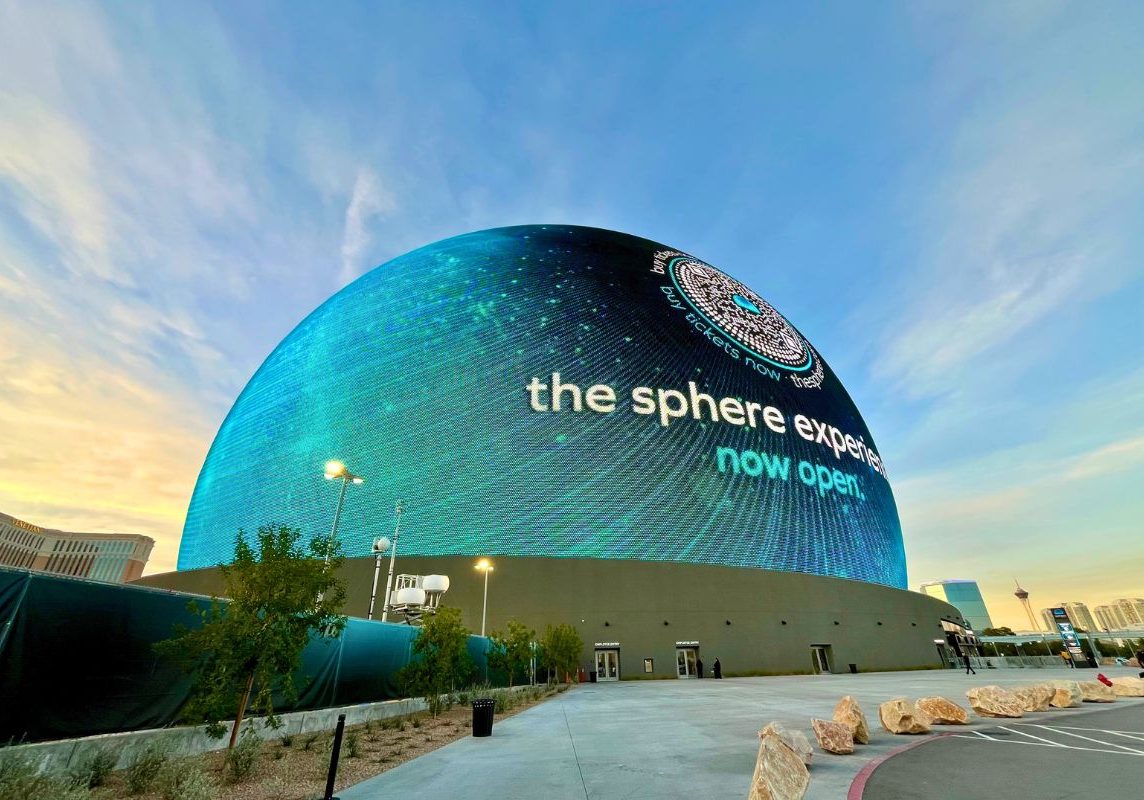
point(675, 739)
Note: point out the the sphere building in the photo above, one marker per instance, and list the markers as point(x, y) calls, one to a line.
point(626, 430)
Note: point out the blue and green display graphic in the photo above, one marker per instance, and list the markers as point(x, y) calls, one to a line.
point(555, 391)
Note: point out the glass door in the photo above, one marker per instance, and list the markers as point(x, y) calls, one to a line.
point(607, 665)
point(685, 662)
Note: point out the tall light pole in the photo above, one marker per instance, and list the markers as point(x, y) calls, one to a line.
point(485, 566)
point(336, 470)
point(397, 510)
point(380, 545)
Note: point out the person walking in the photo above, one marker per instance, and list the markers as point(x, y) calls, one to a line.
point(1140, 660)
point(717, 669)
point(699, 667)
point(968, 666)
point(1066, 656)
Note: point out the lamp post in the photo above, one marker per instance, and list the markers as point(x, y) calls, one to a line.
point(380, 545)
point(336, 470)
point(398, 509)
point(485, 566)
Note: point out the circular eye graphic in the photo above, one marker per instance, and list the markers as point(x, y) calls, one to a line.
point(743, 316)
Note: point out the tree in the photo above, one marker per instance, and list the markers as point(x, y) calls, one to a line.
point(511, 652)
point(1003, 631)
point(279, 596)
point(441, 660)
point(560, 649)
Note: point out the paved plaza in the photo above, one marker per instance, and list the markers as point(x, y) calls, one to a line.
point(688, 739)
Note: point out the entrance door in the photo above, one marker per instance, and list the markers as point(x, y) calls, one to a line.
point(820, 659)
point(685, 662)
point(607, 665)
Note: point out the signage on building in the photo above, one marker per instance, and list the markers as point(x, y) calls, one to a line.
point(687, 644)
point(1068, 633)
point(607, 644)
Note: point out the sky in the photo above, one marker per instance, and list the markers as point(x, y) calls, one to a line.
point(946, 199)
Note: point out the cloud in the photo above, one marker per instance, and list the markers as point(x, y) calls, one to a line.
point(370, 201)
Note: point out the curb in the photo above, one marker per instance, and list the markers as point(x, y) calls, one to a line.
point(858, 785)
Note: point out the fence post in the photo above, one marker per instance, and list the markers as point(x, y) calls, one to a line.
point(334, 753)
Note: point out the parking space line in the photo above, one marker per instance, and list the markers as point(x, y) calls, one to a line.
point(1127, 735)
point(1133, 734)
point(1038, 744)
point(1089, 738)
point(1031, 736)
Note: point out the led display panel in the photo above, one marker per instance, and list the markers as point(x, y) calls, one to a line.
point(555, 391)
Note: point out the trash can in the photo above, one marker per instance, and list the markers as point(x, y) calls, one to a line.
point(592, 676)
point(483, 716)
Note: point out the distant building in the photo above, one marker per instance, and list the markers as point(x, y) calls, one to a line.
point(1109, 617)
point(965, 597)
point(1079, 615)
point(111, 557)
point(1131, 610)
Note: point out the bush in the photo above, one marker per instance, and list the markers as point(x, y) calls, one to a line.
point(93, 770)
point(19, 781)
point(306, 745)
point(353, 744)
point(144, 767)
point(287, 739)
point(243, 757)
point(184, 780)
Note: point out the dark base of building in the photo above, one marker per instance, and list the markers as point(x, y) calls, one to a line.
point(645, 619)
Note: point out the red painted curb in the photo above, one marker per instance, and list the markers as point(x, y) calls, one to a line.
point(858, 785)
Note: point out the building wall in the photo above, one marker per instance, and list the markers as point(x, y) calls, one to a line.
point(110, 557)
point(966, 597)
point(752, 620)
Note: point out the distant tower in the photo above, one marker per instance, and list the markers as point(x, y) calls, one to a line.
point(1023, 596)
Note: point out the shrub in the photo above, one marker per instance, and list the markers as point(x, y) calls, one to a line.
point(19, 781)
point(353, 744)
point(243, 757)
point(287, 739)
point(306, 745)
point(416, 723)
point(93, 770)
point(184, 780)
point(144, 767)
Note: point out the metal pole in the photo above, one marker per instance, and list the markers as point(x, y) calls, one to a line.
point(337, 516)
point(485, 607)
point(392, 558)
point(332, 775)
point(373, 592)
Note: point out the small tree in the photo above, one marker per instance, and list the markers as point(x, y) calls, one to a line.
point(1002, 631)
point(247, 648)
point(441, 660)
point(561, 647)
point(511, 652)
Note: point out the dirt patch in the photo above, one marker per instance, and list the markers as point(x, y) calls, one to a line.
point(294, 768)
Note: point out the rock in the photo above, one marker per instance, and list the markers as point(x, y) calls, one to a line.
point(1095, 692)
point(993, 701)
point(1066, 694)
point(1128, 687)
point(902, 717)
point(833, 737)
point(779, 772)
point(795, 740)
point(849, 713)
point(942, 711)
point(1033, 698)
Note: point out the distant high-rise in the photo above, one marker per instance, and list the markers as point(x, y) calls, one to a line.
point(965, 597)
point(1131, 609)
point(1110, 618)
point(1079, 615)
point(1023, 596)
point(112, 557)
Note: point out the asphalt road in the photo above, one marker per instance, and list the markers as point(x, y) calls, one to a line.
point(1095, 754)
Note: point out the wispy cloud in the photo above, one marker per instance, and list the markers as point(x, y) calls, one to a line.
point(370, 201)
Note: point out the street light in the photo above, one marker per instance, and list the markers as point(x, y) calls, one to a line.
point(485, 566)
point(392, 547)
point(336, 470)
